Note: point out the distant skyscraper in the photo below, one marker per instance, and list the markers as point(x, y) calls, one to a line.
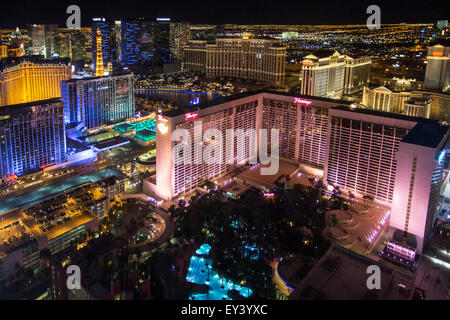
point(162, 40)
point(137, 42)
point(323, 74)
point(109, 45)
point(249, 59)
point(357, 72)
point(37, 34)
point(385, 99)
point(194, 55)
point(32, 136)
point(16, 46)
point(29, 79)
point(180, 34)
point(75, 44)
point(42, 39)
point(418, 107)
point(3, 50)
point(98, 101)
point(389, 100)
point(145, 42)
point(99, 59)
point(437, 74)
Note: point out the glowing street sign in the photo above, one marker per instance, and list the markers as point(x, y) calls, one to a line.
point(302, 101)
point(190, 116)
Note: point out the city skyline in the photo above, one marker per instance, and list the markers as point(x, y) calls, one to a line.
point(225, 151)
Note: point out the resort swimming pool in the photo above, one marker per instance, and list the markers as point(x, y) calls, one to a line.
point(199, 272)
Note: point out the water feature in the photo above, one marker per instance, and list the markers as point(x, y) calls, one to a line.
point(200, 272)
point(178, 98)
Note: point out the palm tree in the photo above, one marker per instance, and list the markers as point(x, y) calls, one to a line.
point(351, 196)
point(368, 199)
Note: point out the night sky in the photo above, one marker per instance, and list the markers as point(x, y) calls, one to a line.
point(22, 12)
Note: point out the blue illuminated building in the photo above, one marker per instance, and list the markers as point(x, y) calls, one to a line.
point(109, 40)
point(98, 101)
point(32, 136)
point(145, 42)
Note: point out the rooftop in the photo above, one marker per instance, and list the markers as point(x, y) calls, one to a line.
point(115, 74)
point(6, 109)
point(323, 53)
point(110, 143)
point(427, 132)
point(13, 61)
point(342, 274)
point(220, 100)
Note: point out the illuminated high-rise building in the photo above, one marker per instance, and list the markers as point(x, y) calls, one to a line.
point(3, 49)
point(27, 79)
point(396, 159)
point(302, 121)
point(41, 37)
point(357, 72)
point(248, 59)
point(109, 45)
point(37, 34)
point(98, 101)
point(16, 46)
point(32, 136)
point(73, 43)
point(162, 40)
point(323, 74)
point(437, 74)
point(390, 100)
point(99, 59)
point(194, 55)
point(418, 107)
point(385, 99)
point(145, 43)
point(180, 34)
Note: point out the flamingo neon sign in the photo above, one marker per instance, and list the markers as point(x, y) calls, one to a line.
point(302, 101)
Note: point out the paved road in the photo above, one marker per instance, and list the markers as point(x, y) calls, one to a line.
point(170, 226)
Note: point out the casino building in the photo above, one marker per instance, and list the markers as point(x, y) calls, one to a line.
point(249, 59)
point(357, 149)
point(27, 79)
point(32, 136)
point(98, 101)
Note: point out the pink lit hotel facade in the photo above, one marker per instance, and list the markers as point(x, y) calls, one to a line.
point(396, 159)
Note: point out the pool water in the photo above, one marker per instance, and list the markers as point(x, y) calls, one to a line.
point(198, 273)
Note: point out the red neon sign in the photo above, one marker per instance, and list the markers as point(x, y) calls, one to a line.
point(302, 101)
point(161, 118)
point(190, 116)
